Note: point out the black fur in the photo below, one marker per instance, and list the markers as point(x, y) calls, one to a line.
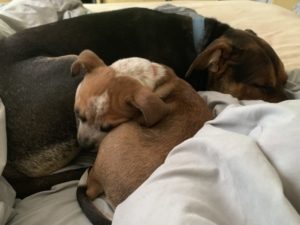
point(38, 90)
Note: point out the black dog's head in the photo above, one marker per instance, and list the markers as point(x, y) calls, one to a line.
point(240, 63)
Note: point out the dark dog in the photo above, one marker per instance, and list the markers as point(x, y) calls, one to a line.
point(38, 91)
point(148, 109)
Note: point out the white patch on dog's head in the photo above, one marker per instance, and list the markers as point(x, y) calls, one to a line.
point(101, 103)
point(143, 70)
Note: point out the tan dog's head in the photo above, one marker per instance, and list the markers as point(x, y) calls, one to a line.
point(243, 65)
point(111, 95)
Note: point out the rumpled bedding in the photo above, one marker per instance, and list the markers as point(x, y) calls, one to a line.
point(16, 16)
point(240, 168)
point(21, 14)
point(7, 194)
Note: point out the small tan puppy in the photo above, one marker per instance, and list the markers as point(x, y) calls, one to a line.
point(148, 111)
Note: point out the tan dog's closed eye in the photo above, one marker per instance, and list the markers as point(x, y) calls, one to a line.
point(152, 117)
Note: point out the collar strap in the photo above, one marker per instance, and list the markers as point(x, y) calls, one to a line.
point(198, 31)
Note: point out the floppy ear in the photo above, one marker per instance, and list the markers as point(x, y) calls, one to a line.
point(151, 105)
point(211, 57)
point(85, 63)
point(167, 84)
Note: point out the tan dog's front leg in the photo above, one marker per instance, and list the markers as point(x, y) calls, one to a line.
point(94, 187)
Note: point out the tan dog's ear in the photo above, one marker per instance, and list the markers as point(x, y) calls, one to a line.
point(166, 85)
point(211, 57)
point(85, 63)
point(151, 105)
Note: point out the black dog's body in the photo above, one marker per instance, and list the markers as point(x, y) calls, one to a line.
point(113, 35)
point(38, 91)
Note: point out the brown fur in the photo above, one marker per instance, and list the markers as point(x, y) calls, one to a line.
point(131, 151)
point(243, 65)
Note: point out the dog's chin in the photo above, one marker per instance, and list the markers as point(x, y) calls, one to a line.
point(91, 143)
point(89, 138)
point(87, 147)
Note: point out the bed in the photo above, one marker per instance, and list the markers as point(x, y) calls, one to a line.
point(242, 167)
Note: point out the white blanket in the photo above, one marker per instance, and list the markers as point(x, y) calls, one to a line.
point(240, 168)
point(7, 194)
point(15, 16)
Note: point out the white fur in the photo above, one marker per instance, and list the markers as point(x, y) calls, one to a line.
point(77, 96)
point(143, 70)
point(101, 103)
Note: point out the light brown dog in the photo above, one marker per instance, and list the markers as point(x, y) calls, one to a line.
point(148, 111)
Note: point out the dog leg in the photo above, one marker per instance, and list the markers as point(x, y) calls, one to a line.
point(94, 187)
point(95, 216)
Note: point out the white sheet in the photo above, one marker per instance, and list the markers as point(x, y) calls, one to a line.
point(21, 14)
point(241, 168)
point(15, 16)
point(7, 194)
point(7, 200)
point(2, 137)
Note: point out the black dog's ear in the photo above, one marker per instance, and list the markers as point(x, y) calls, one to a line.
point(251, 32)
point(85, 63)
point(211, 57)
